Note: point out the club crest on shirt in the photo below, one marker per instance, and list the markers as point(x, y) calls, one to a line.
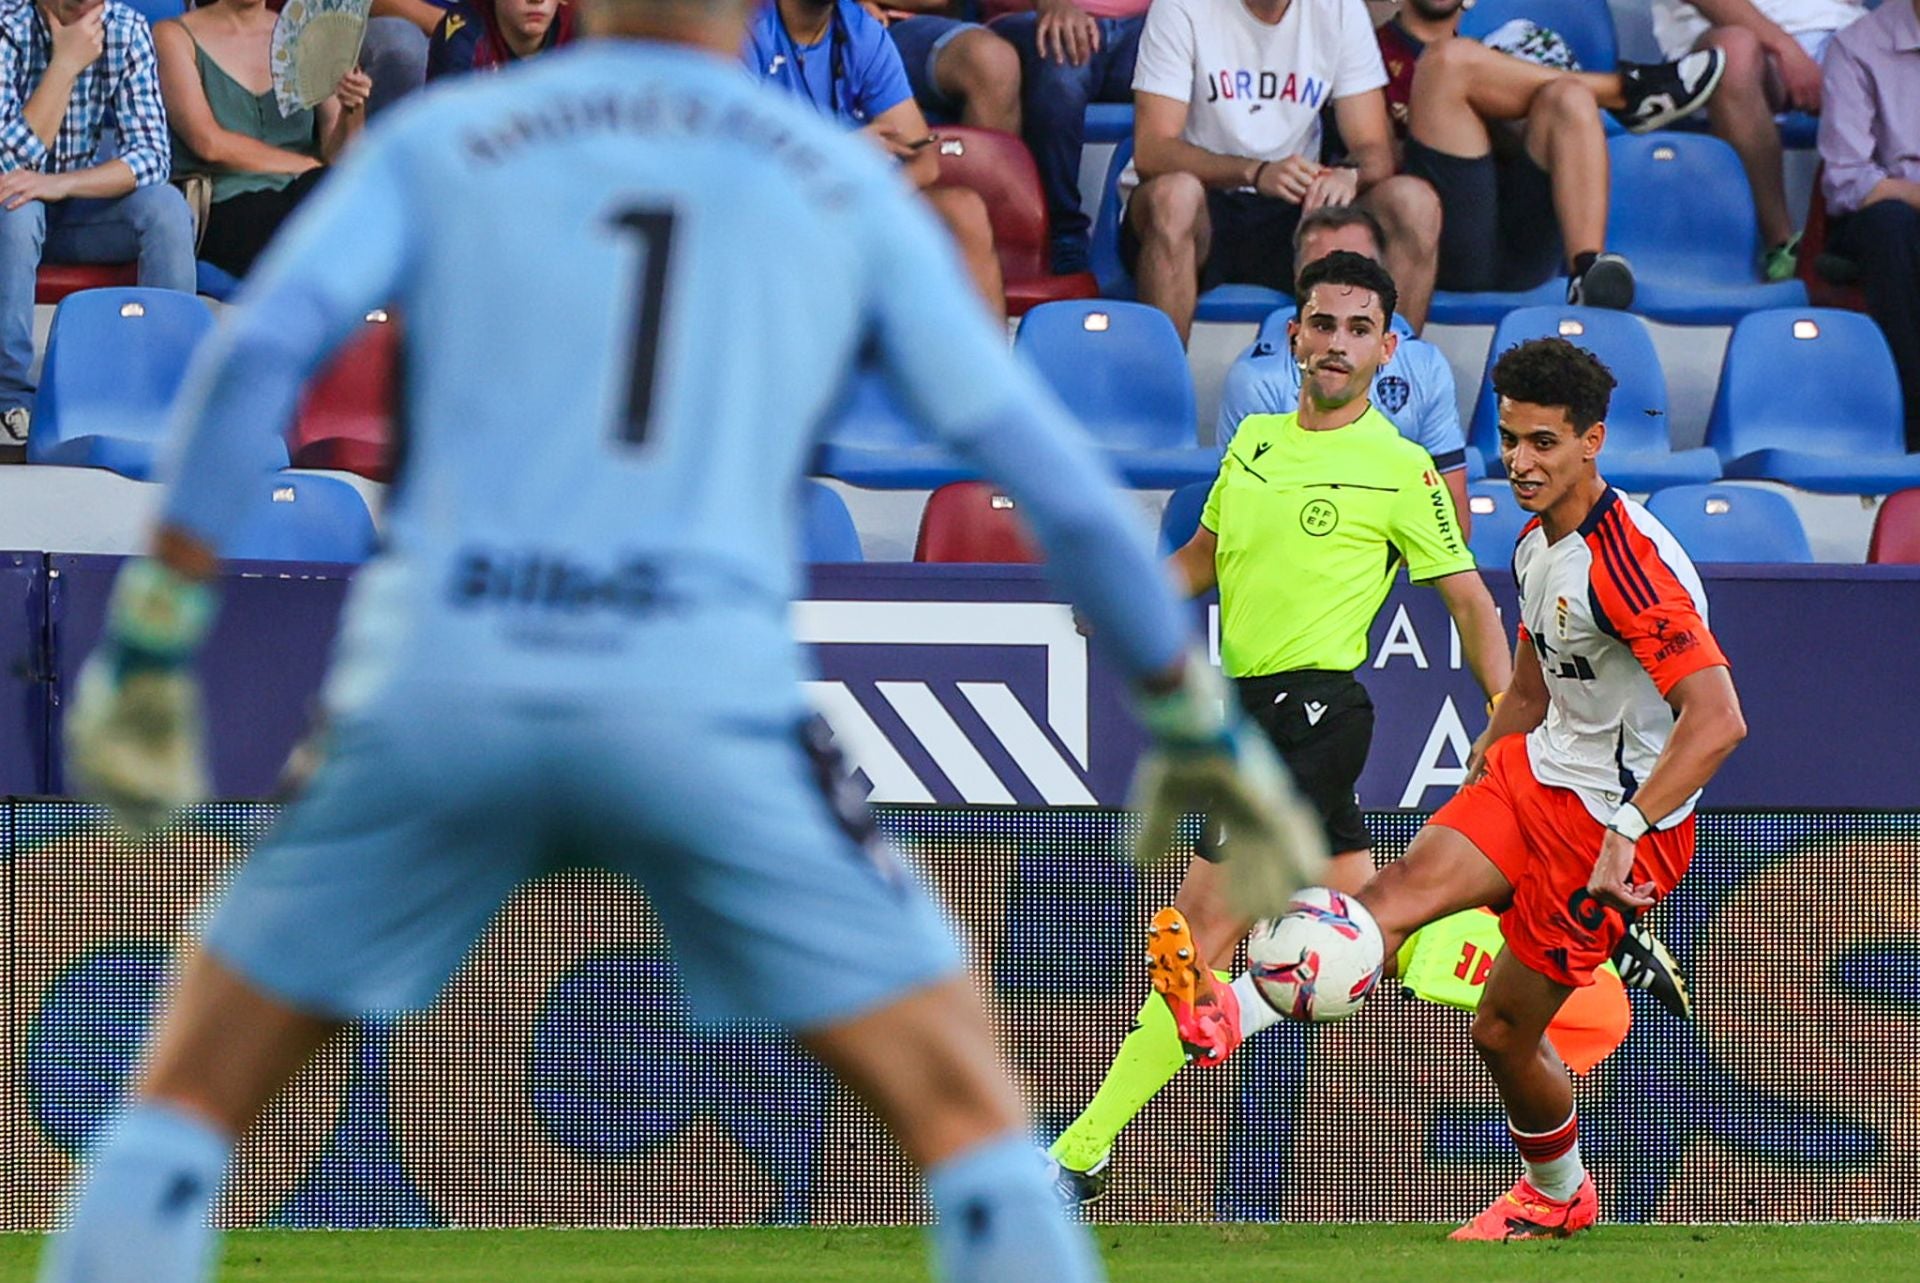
point(1392, 393)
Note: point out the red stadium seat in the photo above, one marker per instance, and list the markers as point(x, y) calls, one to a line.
point(1896, 531)
point(57, 280)
point(999, 167)
point(1813, 248)
point(346, 416)
point(972, 521)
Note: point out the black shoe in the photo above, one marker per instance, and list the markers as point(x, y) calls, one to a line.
point(1607, 282)
point(1078, 1189)
point(1659, 93)
point(1646, 963)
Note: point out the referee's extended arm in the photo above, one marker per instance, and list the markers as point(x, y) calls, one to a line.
point(1192, 564)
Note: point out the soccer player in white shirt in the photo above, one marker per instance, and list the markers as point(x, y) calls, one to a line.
point(1577, 813)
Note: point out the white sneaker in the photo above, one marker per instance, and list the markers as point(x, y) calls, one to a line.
point(14, 423)
point(1659, 93)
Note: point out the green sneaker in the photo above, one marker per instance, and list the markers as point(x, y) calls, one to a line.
point(1782, 261)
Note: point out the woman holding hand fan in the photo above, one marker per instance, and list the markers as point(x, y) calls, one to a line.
point(217, 79)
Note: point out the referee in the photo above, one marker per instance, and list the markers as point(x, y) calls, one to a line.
point(1307, 524)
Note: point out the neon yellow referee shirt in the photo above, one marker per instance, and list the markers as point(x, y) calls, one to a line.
point(1312, 528)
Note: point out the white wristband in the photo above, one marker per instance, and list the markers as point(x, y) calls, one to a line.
point(1630, 822)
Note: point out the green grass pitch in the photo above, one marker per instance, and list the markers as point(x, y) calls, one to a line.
point(1134, 1254)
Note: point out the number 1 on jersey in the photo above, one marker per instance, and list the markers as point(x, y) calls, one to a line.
point(652, 226)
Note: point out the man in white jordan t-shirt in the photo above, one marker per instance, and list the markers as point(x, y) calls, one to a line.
point(1774, 49)
point(1226, 135)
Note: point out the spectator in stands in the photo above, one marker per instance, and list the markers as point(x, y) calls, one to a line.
point(837, 56)
point(1870, 141)
point(216, 76)
point(1226, 132)
point(1414, 389)
point(1774, 49)
point(399, 38)
point(1516, 149)
point(962, 73)
point(1072, 52)
point(486, 35)
point(69, 69)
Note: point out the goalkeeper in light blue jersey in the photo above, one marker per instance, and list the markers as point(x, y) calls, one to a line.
point(633, 285)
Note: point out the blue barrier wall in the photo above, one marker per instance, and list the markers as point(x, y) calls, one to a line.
point(969, 684)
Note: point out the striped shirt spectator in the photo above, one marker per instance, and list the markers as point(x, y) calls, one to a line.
point(121, 89)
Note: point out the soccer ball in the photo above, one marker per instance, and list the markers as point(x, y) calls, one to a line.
point(1318, 962)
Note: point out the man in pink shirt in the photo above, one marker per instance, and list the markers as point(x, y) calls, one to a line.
point(1870, 142)
point(1072, 52)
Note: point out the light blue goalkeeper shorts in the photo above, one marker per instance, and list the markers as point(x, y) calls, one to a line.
point(427, 813)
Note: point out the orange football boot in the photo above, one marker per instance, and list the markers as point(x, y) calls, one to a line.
point(1205, 1012)
point(1524, 1212)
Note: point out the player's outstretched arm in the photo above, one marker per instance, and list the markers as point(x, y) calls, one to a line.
point(1478, 621)
point(952, 364)
point(1194, 563)
point(133, 733)
point(343, 254)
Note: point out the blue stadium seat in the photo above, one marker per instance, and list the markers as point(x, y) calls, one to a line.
point(304, 518)
point(1732, 523)
point(215, 282)
point(1181, 517)
point(115, 359)
point(1497, 521)
point(1809, 396)
point(1109, 122)
point(1455, 307)
point(827, 532)
point(157, 10)
point(1586, 26)
point(1682, 211)
point(1232, 303)
point(1639, 453)
point(1120, 369)
point(871, 441)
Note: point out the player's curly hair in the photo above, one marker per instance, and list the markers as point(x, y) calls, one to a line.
point(1344, 267)
point(1552, 371)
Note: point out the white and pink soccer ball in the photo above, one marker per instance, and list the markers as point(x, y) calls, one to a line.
point(1318, 961)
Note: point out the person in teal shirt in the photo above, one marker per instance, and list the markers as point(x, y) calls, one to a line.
point(216, 77)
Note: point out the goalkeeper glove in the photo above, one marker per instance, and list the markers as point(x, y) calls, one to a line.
point(1207, 756)
point(133, 731)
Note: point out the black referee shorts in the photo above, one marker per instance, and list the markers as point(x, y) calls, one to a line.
point(1321, 724)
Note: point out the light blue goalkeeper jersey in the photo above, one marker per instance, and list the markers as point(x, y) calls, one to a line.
point(632, 285)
